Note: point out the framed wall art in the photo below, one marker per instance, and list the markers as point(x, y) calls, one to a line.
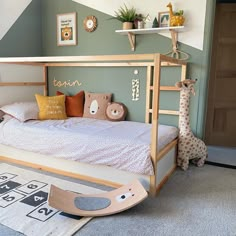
point(66, 29)
point(164, 19)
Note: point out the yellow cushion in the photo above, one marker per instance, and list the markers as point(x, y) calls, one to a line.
point(51, 108)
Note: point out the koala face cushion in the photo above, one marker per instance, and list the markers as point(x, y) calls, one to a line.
point(96, 104)
point(116, 111)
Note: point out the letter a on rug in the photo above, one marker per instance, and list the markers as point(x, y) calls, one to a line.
point(101, 204)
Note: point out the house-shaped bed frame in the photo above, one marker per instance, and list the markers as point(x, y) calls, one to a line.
point(164, 161)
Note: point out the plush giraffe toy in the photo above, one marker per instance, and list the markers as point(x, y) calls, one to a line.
point(189, 146)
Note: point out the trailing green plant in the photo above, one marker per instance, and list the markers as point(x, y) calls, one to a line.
point(125, 14)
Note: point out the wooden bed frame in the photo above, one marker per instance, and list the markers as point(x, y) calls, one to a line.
point(164, 161)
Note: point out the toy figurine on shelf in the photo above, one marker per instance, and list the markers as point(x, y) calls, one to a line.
point(176, 18)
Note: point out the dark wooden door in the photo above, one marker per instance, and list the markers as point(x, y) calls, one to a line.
point(221, 111)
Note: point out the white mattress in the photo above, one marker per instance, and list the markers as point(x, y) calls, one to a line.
point(123, 145)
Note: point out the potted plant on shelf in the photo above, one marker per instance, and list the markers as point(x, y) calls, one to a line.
point(126, 16)
point(139, 21)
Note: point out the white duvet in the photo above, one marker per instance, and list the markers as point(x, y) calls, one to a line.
point(123, 145)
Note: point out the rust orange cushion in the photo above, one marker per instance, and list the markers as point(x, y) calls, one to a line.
point(51, 108)
point(74, 104)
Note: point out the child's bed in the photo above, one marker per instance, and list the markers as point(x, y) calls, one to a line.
point(136, 153)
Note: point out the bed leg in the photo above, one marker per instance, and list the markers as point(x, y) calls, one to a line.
point(152, 188)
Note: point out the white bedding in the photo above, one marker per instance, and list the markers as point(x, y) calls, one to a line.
point(123, 145)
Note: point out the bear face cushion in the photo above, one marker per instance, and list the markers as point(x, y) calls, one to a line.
point(96, 104)
point(116, 111)
point(74, 104)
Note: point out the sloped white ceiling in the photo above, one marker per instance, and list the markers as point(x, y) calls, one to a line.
point(10, 10)
point(194, 11)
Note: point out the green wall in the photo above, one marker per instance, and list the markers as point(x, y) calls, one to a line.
point(104, 41)
point(24, 37)
point(34, 34)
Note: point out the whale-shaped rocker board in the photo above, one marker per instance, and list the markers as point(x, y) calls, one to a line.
point(101, 204)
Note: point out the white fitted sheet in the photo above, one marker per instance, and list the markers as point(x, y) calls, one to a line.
point(123, 145)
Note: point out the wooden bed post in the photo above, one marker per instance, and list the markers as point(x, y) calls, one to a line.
point(45, 79)
point(148, 95)
point(155, 116)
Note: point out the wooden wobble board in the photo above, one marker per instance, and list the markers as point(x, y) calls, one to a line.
point(106, 203)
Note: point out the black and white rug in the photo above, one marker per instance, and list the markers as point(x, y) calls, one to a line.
point(23, 203)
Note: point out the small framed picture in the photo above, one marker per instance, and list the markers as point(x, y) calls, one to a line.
point(164, 19)
point(66, 29)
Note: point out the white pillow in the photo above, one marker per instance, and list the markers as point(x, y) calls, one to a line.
point(22, 111)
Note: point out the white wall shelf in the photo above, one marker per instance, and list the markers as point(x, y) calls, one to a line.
point(133, 32)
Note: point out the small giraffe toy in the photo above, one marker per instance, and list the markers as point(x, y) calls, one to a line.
point(175, 20)
point(189, 146)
